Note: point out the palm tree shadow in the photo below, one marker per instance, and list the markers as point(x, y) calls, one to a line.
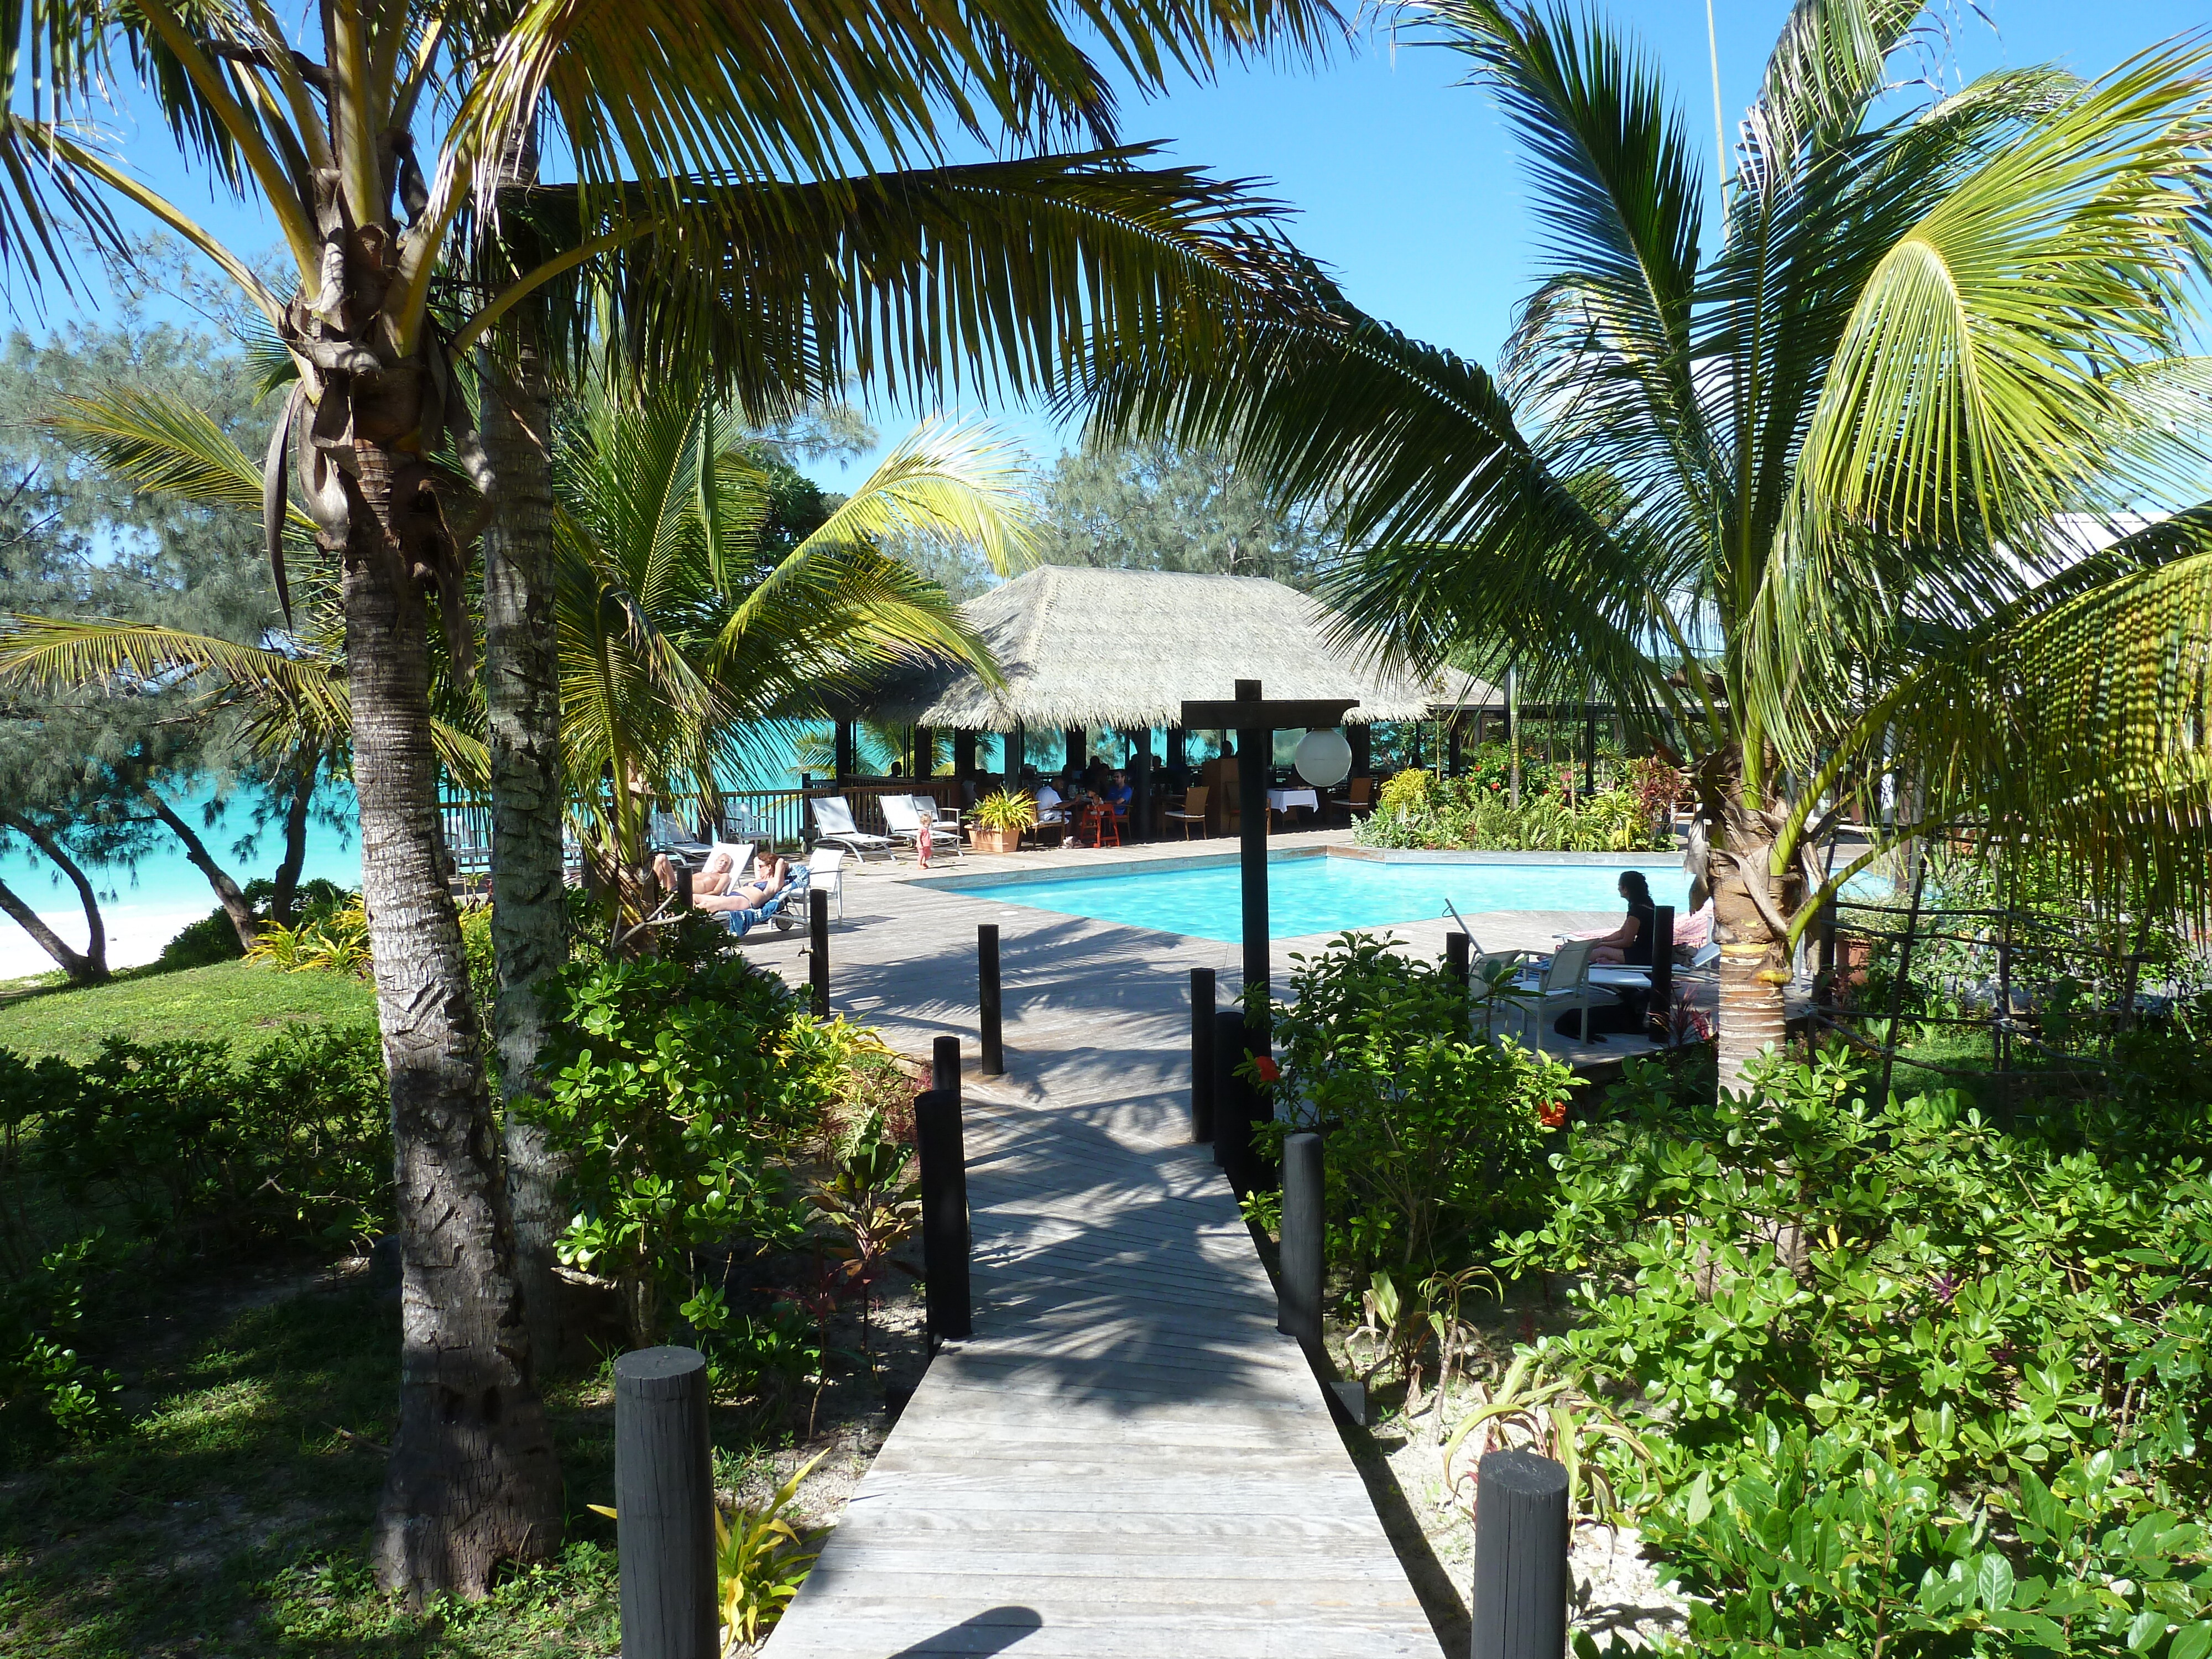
point(992, 1631)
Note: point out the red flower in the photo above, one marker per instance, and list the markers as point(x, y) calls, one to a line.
point(1552, 1114)
point(1267, 1068)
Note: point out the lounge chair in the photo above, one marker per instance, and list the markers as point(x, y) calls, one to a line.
point(902, 817)
point(825, 874)
point(665, 833)
point(776, 910)
point(1562, 986)
point(1193, 810)
point(833, 826)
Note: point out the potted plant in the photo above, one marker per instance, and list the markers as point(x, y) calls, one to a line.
point(996, 823)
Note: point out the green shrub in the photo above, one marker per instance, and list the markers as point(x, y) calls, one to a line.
point(1434, 1138)
point(1915, 1385)
point(1475, 811)
point(291, 1145)
point(210, 939)
point(677, 1094)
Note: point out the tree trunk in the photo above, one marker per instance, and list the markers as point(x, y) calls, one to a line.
point(472, 1480)
point(529, 918)
point(226, 892)
point(287, 885)
point(1751, 909)
point(88, 967)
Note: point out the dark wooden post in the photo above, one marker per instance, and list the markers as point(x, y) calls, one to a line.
point(1520, 1557)
point(963, 754)
point(1254, 750)
point(1203, 1024)
point(1660, 1005)
point(1361, 739)
point(1075, 748)
point(1298, 1303)
point(818, 950)
point(1824, 978)
point(683, 886)
point(923, 754)
point(993, 1062)
point(845, 762)
point(944, 1212)
point(1232, 1120)
point(1017, 742)
point(944, 1066)
point(665, 1505)
point(1141, 788)
point(1457, 961)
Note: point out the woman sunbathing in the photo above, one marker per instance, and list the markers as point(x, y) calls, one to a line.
point(718, 887)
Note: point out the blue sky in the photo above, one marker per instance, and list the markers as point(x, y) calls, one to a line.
point(1406, 183)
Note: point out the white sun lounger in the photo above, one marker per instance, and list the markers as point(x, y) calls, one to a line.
point(902, 817)
point(833, 824)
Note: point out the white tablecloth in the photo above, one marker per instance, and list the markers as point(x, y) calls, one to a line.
point(1282, 801)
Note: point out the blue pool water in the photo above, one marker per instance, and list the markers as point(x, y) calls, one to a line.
point(1327, 896)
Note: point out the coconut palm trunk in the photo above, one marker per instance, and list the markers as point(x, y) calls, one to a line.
point(472, 1478)
point(522, 694)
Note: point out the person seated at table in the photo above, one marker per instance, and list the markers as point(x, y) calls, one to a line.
point(1630, 942)
point(1050, 803)
point(1119, 794)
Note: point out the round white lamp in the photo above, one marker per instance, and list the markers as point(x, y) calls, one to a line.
point(1324, 759)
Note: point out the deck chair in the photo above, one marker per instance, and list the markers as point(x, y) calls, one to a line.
point(825, 873)
point(833, 824)
point(1562, 986)
point(665, 833)
point(776, 910)
point(1494, 988)
point(1193, 810)
point(902, 817)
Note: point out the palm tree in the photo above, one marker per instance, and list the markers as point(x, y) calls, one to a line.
point(681, 657)
point(384, 155)
point(1814, 497)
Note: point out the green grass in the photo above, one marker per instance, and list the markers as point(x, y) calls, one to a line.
point(235, 1001)
point(229, 1515)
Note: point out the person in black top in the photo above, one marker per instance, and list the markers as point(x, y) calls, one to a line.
point(1630, 942)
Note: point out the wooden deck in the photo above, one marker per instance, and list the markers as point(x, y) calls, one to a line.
point(1126, 1460)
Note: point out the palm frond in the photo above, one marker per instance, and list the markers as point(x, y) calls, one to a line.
point(161, 444)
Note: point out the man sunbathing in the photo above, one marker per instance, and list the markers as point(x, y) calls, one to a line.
point(718, 887)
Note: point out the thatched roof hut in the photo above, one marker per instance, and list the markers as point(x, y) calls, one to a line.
point(1126, 648)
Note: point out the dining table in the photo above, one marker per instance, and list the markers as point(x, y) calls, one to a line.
point(1285, 800)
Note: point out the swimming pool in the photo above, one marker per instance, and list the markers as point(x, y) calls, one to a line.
point(1327, 896)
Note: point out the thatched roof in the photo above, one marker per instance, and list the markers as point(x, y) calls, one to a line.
point(1122, 648)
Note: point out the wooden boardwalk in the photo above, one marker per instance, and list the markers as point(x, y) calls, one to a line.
point(1126, 1460)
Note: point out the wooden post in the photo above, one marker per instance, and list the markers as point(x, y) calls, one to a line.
point(1824, 976)
point(994, 1061)
point(1298, 1303)
point(1232, 1120)
point(943, 1213)
point(1074, 746)
point(846, 762)
point(964, 753)
point(1458, 966)
point(923, 754)
point(683, 886)
point(1141, 788)
point(1202, 1027)
point(665, 1505)
point(1016, 756)
point(1660, 1006)
point(944, 1066)
point(1254, 750)
point(1520, 1557)
point(818, 950)
point(1361, 739)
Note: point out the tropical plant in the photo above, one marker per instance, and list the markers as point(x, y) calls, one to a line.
point(1004, 809)
point(396, 149)
point(1814, 500)
point(1536, 1406)
point(682, 653)
point(869, 1206)
point(759, 1561)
